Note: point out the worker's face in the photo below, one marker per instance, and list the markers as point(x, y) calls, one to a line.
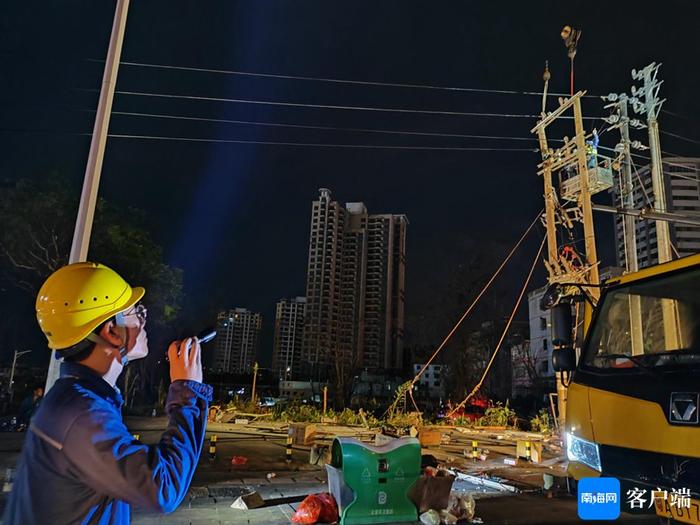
point(134, 321)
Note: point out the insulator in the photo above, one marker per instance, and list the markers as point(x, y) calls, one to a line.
point(638, 145)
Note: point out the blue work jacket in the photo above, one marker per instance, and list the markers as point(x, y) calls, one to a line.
point(80, 464)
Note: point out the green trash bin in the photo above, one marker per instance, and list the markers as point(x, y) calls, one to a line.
point(371, 483)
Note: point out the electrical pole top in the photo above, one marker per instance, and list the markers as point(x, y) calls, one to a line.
point(582, 173)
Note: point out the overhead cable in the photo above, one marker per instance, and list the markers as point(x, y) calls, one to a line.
point(333, 80)
point(326, 106)
point(307, 144)
point(322, 106)
point(679, 136)
point(309, 126)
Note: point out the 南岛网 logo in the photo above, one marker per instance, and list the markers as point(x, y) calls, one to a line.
point(599, 499)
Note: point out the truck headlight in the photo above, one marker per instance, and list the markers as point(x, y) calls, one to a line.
point(583, 451)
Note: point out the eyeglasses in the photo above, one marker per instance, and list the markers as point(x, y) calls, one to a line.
point(139, 311)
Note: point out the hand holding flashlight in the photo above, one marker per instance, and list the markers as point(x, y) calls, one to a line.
point(185, 360)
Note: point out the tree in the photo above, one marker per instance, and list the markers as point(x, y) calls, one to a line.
point(449, 283)
point(38, 218)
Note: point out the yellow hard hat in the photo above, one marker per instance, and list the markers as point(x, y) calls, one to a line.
point(78, 298)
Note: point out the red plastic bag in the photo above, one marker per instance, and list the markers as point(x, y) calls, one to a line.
point(329, 511)
point(237, 461)
point(309, 510)
point(317, 508)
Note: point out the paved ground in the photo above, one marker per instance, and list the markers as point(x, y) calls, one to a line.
point(217, 483)
point(507, 510)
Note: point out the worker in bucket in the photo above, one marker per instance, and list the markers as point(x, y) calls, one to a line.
point(592, 149)
point(79, 463)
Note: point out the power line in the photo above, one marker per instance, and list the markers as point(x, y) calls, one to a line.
point(679, 136)
point(677, 115)
point(333, 80)
point(664, 161)
point(306, 144)
point(326, 106)
point(681, 176)
point(260, 142)
point(309, 126)
point(320, 106)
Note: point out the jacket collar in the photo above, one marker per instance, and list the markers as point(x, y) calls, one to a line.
point(93, 380)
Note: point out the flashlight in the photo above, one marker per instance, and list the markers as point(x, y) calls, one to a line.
point(206, 335)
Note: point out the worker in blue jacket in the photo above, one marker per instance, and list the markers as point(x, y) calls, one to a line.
point(80, 464)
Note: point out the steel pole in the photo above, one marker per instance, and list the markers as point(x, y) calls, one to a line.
point(12, 372)
point(91, 182)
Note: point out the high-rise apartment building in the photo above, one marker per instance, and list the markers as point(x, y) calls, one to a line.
point(354, 287)
point(682, 185)
point(289, 335)
point(237, 340)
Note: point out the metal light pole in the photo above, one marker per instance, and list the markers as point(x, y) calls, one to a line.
point(91, 183)
point(12, 372)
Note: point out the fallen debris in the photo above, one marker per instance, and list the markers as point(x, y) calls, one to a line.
point(252, 500)
point(431, 517)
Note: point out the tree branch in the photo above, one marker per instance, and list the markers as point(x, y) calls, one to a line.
point(14, 262)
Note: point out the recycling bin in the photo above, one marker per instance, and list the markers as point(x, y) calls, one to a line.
point(371, 483)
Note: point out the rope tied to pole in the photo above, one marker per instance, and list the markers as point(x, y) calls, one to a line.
point(505, 331)
point(476, 300)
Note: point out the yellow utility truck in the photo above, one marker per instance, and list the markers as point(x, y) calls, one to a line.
point(634, 391)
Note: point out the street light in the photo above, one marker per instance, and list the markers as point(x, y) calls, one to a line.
point(12, 372)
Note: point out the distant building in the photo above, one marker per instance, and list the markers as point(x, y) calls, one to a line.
point(370, 388)
point(354, 287)
point(237, 340)
point(682, 184)
point(289, 335)
point(534, 359)
point(301, 390)
point(432, 380)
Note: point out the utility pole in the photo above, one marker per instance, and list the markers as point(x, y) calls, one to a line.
point(255, 379)
point(12, 372)
point(91, 183)
point(620, 119)
point(579, 183)
point(651, 106)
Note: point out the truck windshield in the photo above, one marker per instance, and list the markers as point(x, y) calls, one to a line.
point(650, 324)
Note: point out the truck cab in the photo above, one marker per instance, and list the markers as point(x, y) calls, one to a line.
point(634, 394)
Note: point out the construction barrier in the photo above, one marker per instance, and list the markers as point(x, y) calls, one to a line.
point(288, 449)
point(212, 447)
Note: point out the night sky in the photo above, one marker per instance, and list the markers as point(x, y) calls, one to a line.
point(235, 217)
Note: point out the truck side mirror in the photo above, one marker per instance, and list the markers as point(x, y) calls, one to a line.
point(564, 359)
point(562, 325)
